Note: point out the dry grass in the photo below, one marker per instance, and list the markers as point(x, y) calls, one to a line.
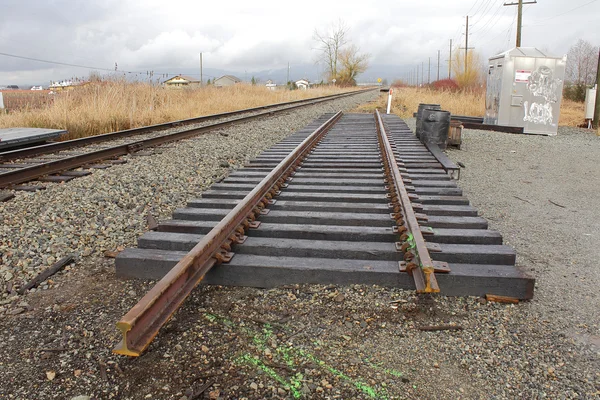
point(406, 100)
point(472, 103)
point(111, 106)
point(26, 99)
point(572, 113)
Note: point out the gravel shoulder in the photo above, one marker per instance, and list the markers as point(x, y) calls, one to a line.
point(543, 194)
point(317, 342)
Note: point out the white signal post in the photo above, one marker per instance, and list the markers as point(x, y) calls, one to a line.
point(389, 102)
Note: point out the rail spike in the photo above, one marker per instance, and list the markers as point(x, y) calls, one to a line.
point(142, 323)
point(416, 251)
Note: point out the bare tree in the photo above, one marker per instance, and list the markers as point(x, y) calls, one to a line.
point(352, 63)
point(330, 43)
point(582, 62)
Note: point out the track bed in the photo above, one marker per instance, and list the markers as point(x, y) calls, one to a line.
point(331, 224)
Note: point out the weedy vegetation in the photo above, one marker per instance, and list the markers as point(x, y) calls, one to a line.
point(470, 102)
point(109, 106)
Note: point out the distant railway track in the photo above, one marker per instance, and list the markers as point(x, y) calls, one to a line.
point(41, 162)
point(350, 199)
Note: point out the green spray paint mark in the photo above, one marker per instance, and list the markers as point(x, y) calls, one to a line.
point(411, 241)
point(261, 340)
point(294, 384)
point(286, 356)
point(388, 371)
point(358, 384)
point(289, 354)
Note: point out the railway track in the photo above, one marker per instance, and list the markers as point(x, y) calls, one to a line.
point(352, 199)
point(64, 161)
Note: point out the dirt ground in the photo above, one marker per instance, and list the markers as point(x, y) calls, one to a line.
point(358, 342)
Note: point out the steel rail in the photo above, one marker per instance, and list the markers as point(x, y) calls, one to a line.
point(142, 323)
point(35, 171)
point(74, 143)
point(416, 255)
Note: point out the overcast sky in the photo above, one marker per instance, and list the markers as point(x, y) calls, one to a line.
point(167, 36)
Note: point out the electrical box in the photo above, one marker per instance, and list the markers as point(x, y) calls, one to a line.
point(524, 89)
point(590, 102)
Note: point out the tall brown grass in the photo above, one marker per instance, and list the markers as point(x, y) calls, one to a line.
point(405, 101)
point(111, 106)
point(26, 99)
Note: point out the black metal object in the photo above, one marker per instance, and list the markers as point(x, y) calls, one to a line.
point(419, 115)
point(495, 128)
point(435, 126)
point(464, 118)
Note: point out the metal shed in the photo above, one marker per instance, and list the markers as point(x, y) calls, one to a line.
point(524, 89)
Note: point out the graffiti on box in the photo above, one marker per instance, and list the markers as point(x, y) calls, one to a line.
point(542, 83)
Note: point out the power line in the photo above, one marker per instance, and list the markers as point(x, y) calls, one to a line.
point(519, 5)
point(487, 31)
point(484, 8)
point(490, 19)
point(474, 4)
point(511, 26)
point(507, 31)
point(88, 67)
point(561, 14)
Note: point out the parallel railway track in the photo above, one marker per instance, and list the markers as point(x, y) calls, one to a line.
point(41, 162)
point(349, 199)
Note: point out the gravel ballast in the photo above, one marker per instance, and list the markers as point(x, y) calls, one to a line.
point(112, 205)
point(312, 342)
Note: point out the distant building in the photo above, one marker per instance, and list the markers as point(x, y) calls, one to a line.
point(181, 81)
point(226, 80)
point(65, 85)
point(270, 85)
point(302, 84)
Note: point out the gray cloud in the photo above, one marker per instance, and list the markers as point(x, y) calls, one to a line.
point(167, 36)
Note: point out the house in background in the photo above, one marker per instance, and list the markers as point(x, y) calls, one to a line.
point(66, 85)
point(181, 81)
point(270, 85)
point(302, 84)
point(226, 80)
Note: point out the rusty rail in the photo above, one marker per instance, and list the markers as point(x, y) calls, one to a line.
point(418, 261)
point(50, 148)
point(142, 323)
point(35, 171)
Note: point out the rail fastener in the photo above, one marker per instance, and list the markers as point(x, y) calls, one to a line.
point(417, 260)
point(142, 323)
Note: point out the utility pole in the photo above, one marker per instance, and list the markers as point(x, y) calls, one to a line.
point(450, 61)
point(423, 72)
point(429, 72)
point(597, 109)
point(438, 69)
point(417, 76)
point(467, 44)
point(288, 75)
point(201, 76)
point(467, 48)
point(519, 5)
